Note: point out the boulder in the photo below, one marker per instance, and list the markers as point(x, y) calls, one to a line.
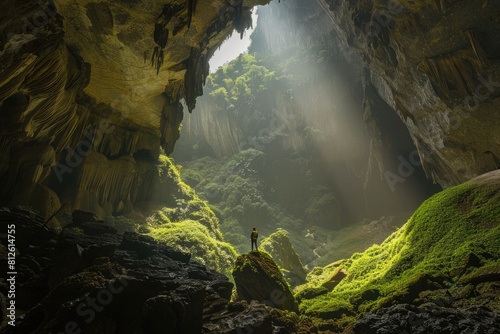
point(278, 245)
point(257, 277)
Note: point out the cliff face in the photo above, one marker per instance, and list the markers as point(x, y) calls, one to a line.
point(93, 87)
point(90, 93)
point(436, 64)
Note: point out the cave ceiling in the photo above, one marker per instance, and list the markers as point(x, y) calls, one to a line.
point(110, 75)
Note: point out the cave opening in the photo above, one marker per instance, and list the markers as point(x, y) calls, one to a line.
point(300, 122)
point(140, 147)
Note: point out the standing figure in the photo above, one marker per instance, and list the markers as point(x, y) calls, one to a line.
point(253, 238)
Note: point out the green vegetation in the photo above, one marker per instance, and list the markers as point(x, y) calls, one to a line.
point(192, 237)
point(278, 245)
point(245, 82)
point(433, 250)
point(189, 225)
point(238, 195)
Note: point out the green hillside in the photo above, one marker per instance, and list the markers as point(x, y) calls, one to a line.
point(452, 240)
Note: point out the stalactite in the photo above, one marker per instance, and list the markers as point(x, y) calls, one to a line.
point(242, 19)
point(170, 122)
point(476, 46)
point(191, 10)
point(457, 71)
point(161, 35)
point(103, 184)
point(193, 79)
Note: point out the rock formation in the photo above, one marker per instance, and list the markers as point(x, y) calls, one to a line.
point(88, 84)
point(443, 262)
point(257, 277)
point(91, 278)
point(278, 245)
point(435, 64)
point(90, 89)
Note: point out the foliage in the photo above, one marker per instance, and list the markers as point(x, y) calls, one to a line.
point(194, 238)
point(280, 248)
point(235, 188)
point(435, 244)
point(189, 225)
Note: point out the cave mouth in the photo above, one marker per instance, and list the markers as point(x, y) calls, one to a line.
point(332, 151)
point(300, 122)
point(234, 45)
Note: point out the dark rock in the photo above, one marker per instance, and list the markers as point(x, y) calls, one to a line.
point(252, 318)
point(84, 279)
point(257, 277)
point(428, 318)
point(178, 312)
point(93, 228)
point(223, 288)
point(146, 246)
point(80, 216)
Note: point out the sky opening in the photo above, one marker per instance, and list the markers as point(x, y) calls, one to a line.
point(233, 47)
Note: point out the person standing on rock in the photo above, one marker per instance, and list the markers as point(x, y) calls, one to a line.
point(253, 238)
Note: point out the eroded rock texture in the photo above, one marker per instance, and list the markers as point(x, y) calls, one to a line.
point(106, 77)
point(90, 91)
point(92, 279)
point(436, 64)
point(257, 277)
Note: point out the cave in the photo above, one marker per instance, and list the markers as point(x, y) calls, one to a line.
point(360, 138)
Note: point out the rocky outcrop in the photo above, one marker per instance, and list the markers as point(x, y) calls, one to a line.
point(428, 318)
point(278, 245)
point(435, 64)
point(90, 94)
point(257, 277)
point(443, 262)
point(91, 278)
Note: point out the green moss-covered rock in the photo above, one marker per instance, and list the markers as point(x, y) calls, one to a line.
point(453, 239)
point(257, 277)
point(278, 245)
point(188, 224)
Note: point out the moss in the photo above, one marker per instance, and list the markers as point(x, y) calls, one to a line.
point(191, 237)
point(189, 225)
point(280, 248)
point(435, 245)
point(258, 277)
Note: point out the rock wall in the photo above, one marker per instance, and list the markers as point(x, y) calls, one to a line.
point(436, 64)
point(90, 91)
point(106, 77)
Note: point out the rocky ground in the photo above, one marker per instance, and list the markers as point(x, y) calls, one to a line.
point(91, 278)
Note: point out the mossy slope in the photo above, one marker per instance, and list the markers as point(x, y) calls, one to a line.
point(452, 238)
point(278, 245)
point(188, 224)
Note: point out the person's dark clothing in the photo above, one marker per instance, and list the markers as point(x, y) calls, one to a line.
point(253, 238)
